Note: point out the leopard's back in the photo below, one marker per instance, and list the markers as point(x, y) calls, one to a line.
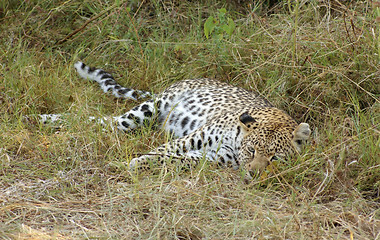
point(189, 104)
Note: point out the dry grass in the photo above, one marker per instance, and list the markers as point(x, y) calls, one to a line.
point(318, 60)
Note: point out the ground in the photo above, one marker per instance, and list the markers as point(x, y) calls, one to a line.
point(318, 60)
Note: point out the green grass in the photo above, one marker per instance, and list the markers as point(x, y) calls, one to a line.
point(319, 62)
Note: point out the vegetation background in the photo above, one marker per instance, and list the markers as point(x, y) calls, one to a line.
point(316, 59)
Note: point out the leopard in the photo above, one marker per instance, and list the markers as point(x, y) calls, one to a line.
point(208, 120)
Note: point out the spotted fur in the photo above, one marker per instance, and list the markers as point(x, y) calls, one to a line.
point(211, 119)
point(108, 83)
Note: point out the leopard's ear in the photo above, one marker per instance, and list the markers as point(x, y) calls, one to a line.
point(301, 135)
point(302, 132)
point(247, 120)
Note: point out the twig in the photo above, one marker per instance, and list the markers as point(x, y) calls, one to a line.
point(84, 25)
point(353, 28)
point(134, 27)
point(348, 33)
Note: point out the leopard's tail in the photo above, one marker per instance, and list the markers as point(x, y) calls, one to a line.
point(108, 83)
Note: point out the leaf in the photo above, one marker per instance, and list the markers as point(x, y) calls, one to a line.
point(222, 14)
point(209, 26)
point(223, 10)
point(230, 27)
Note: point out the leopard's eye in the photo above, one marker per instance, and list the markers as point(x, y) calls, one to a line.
point(274, 158)
point(251, 149)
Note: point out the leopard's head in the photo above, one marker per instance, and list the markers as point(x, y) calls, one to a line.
point(269, 138)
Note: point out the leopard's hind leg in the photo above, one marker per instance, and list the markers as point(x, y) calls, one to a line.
point(56, 120)
point(140, 115)
point(137, 116)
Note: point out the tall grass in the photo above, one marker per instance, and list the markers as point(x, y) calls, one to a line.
point(317, 60)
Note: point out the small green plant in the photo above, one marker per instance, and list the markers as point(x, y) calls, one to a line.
point(217, 27)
